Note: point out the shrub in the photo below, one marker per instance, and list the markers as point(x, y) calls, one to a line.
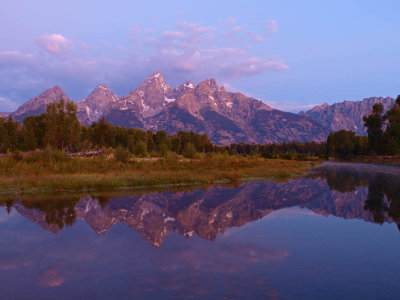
point(164, 150)
point(121, 154)
point(287, 156)
point(301, 156)
point(48, 156)
point(17, 156)
point(189, 151)
point(140, 149)
point(267, 155)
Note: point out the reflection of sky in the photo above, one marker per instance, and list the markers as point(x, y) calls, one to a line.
point(289, 254)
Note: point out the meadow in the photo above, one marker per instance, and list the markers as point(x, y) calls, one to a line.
point(56, 171)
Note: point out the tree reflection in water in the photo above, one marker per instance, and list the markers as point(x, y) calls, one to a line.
point(364, 193)
point(383, 187)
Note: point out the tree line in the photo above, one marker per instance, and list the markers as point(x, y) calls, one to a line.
point(383, 135)
point(59, 129)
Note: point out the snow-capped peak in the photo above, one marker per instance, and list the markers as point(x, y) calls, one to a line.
point(156, 76)
point(189, 85)
point(103, 87)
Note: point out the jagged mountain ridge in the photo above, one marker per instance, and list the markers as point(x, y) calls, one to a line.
point(346, 115)
point(38, 104)
point(204, 108)
point(226, 117)
point(93, 107)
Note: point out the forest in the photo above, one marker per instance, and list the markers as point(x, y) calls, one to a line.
point(59, 129)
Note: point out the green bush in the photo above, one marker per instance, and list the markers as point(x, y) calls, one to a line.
point(121, 154)
point(164, 150)
point(267, 155)
point(287, 156)
point(189, 151)
point(140, 149)
point(301, 156)
point(48, 156)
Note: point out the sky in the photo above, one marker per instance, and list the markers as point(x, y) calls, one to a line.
point(290, 54)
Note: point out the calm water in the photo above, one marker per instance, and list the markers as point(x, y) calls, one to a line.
point(331, 235)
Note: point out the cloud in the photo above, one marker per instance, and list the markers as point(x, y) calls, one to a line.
point(230, 22)
point(51, 277)
point(257, 38)
point(272, 27)
point(202, 51)
point(290, 106)
point(55, 44)
point(12, 57)
point(7, 105)
point(187, 51)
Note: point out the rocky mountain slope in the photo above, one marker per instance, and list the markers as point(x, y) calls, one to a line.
point(231, 117)
point(204, 108)
point(38, 104)
point(346, 115)
point(93, 107)
point(226, 117)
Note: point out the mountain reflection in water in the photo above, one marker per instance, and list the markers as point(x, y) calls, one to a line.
point(348, 191)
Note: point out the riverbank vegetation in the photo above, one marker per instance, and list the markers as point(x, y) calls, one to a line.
point(54, 152)
point(47, 170)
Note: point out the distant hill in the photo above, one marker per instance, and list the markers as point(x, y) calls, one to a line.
point(38, 104)
point(346, 115)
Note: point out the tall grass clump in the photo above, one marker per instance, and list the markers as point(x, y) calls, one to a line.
point(189, 151)
point(121, 154)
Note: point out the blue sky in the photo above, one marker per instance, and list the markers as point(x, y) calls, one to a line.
point(290, 54)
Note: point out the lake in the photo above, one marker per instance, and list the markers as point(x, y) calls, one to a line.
point(332, 234)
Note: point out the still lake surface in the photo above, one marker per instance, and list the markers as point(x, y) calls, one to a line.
point(333, 234)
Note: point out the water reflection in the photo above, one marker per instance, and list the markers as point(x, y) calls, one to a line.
point(343, 190)
point(382, 201)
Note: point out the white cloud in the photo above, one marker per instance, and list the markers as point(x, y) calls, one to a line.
point(272, 26)
point(257, 38)
point(289, 106)
point(55, 44)
point(7, 105)
point(12, 57)
point(186, 52)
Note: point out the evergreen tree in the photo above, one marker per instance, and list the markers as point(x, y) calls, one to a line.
point(392, 131)
point(374, 123)
point(103, 133)
point(342, 144)
point(62, 127)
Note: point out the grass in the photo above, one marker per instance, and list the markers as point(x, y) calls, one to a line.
point(56, 172)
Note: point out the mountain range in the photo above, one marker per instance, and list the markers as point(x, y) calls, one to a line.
point(346, 115)
point(226, 117)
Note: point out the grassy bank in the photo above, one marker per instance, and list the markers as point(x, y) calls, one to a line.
point(55, 172)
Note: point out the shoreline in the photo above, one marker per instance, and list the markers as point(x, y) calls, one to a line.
point(379, 160)
point(104, 174)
